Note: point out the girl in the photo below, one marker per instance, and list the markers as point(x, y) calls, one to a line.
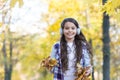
point(72, 49)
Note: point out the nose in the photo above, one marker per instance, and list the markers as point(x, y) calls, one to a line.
point(70, 29)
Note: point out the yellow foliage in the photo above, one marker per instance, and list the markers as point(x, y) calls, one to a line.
point(20, 3)
point(111, 6)
point(1, 70)
point(71, 6)
point(1, 24)
point(13, 3)
point(1, 46)
point(1, 73)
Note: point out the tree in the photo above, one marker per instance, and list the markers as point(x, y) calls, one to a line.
point(7, 47)
point(106, 46)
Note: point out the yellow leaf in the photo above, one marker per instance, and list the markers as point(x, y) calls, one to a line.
point(52, 62)
point(21, 3)
point(12, 3)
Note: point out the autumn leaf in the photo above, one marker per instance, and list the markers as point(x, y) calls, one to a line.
point(48, 63)
point(81, 71)
point(52, 62)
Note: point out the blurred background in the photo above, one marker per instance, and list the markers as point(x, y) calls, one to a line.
point(29, 28)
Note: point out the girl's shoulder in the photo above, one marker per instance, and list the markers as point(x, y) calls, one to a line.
point(57, 45)
point(84, 44)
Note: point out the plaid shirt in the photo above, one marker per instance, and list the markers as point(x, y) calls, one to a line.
point(57, 70)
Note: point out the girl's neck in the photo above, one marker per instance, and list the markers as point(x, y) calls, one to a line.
point(69, 40)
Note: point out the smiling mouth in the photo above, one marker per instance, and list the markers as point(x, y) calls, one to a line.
point(70, 34)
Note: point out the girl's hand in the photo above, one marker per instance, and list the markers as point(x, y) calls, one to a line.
point(83, 73)
point(88, 71)
point(48, 63)
point(45, 62)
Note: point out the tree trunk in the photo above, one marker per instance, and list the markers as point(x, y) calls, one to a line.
point(11, 63)
point(7, 61)
point(93, 78)
point(106, 46)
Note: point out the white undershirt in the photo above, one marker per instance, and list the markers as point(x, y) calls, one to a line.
point(69, 74)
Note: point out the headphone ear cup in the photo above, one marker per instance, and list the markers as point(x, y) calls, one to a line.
point(61, 31)
point(78, 31)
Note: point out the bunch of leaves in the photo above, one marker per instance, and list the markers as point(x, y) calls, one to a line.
point(48, 63)
point(111, 7)
point(81, 73)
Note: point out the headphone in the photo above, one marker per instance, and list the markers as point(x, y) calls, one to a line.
point(78, 31)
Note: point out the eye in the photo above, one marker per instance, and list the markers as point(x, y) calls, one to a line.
point(66, 28)
point(73, 28)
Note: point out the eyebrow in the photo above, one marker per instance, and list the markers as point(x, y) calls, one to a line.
point(70, 26)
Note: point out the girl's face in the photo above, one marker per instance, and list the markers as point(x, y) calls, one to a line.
point(69, 31)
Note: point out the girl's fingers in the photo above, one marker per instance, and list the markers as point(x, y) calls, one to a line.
point(87, 73)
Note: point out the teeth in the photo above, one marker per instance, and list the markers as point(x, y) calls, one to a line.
point(70, 34)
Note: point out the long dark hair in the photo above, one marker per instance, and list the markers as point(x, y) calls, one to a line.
point(78, 40)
